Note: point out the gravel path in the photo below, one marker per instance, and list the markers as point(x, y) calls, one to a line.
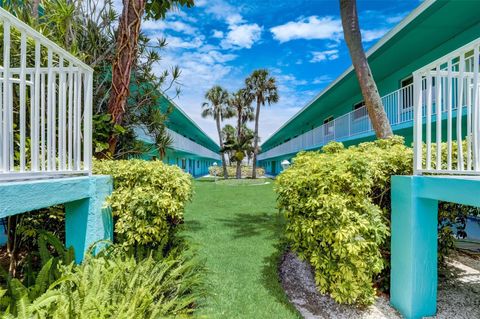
point(458, 296)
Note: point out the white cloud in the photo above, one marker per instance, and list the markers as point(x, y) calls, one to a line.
point(318, 56)
point(370, 35)
point(179, 43)
point(309, 28)
point(218, 8)
point(242, 36)
point(322, 79)
point(396, 18)
point(217, 34)
point(162, 25)
point(235, 19)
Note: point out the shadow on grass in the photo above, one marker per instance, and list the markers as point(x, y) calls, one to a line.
point(204, 180)
point(192, 226)
point(271, 279)
point(250, 225)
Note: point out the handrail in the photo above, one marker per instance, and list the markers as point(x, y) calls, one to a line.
point(398, 106)
point(45, 108)
point(182, 143)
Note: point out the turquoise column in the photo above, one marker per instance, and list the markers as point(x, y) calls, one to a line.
point(88, 220)
point(413, 282)
point(413, 287)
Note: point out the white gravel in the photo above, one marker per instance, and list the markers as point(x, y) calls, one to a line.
point(458, 296)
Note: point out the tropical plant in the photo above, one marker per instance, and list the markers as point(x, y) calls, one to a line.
point(232, 171)
point(87, 30)
point(148, 201)
point(116, 285)
point(218, 108)
point(229, 139)
point(353, 38)
point(337, 206)
point(241, 103)
point(127, 43)
point(263, 89)
point(51, 253)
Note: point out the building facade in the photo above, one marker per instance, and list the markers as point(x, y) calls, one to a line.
point(431, 31)
point(192, 149)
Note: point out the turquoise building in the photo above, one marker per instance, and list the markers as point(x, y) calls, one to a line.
point(431, 31)
point(192, 149)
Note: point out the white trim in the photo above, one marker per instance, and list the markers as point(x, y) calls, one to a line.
point(188, 117)
point(44, 40)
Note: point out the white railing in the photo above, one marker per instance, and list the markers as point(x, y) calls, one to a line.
point(184, 144)
point(398, 106)
point(45, 106)
point(450, 84)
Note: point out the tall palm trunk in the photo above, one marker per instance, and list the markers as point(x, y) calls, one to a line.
point(353, 38)
point(127, 46)
point(255, 141)
point(220, 139)
point(239, 139)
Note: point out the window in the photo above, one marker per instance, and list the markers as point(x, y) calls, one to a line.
point(328, 126)
point(359, 111)
point(184, 163)
point(406, 95)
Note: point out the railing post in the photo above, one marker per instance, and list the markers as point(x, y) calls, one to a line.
point(6, 96)
point(87, 142)
point(417, 123)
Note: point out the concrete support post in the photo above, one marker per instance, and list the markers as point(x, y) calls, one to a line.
point(88, 220)
point(413, 287)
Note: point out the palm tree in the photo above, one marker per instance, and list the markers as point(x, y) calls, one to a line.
point(241, 102)
point(353, 38)
point(229, 141)
point(217, 107)
point(263, 89)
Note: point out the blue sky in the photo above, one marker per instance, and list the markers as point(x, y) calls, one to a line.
point(300, 42)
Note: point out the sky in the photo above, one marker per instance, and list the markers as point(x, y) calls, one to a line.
point(220, 42)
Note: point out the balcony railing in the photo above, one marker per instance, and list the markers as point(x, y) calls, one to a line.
point(450, 84)
point(45, 106)
point(184, 144)
point(398, 106)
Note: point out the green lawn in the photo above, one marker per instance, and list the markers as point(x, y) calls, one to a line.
point(237, 230)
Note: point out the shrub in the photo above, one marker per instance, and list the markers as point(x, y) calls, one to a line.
point(337, 204)
point(333, 204)
point(232, 173)
point(148, 200)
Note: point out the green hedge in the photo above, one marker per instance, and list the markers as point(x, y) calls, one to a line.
point(232, 171)
point(148, 200)
point(336, 204)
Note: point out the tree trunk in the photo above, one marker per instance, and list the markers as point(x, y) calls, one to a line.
point(35, 6)
point(353, 38)
point(239, 138)
point(255, 141)
point(126, 52)
point(12, 244)
point(220, 140)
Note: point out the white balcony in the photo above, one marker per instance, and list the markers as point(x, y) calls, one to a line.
point(181, 143)
point(450, 84)
point(45, 106)
point(398, 106)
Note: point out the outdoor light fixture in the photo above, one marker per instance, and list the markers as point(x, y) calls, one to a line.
point(285, 164)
